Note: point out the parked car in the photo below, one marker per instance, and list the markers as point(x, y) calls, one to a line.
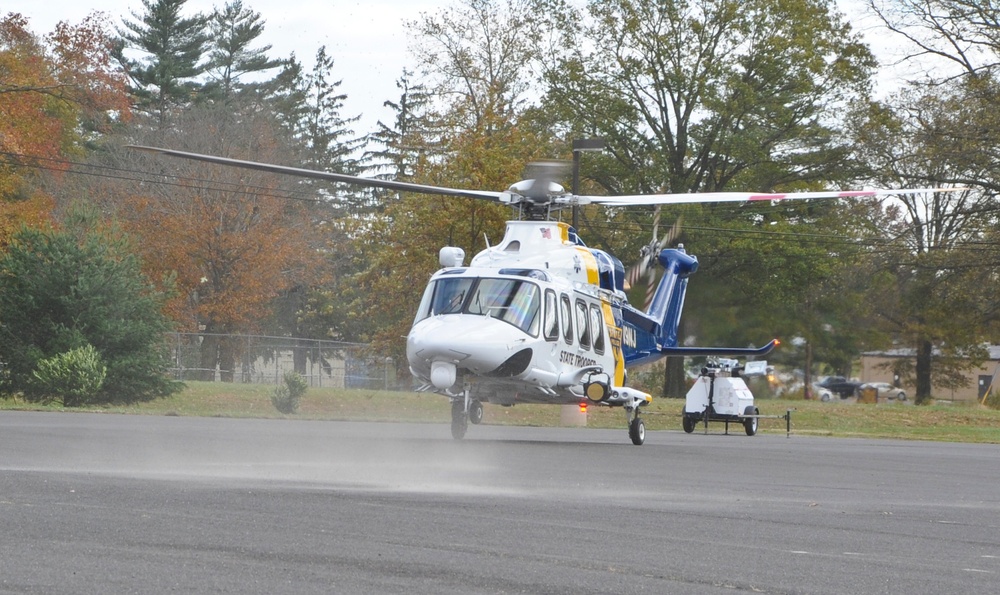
point(839, 386)
point(885, 391)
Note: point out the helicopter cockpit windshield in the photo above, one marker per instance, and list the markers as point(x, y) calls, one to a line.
point(513, 301)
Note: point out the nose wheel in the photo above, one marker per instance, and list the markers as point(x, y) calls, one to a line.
point(636, 429)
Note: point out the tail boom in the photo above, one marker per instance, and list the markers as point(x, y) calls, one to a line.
point(652, 335)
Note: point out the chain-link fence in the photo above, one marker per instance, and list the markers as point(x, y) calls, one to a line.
point(258, 359)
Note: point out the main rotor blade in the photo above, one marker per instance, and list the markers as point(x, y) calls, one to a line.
point(697, 197)
point(322, 175)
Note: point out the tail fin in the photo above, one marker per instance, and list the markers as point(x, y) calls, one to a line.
point(668, 301)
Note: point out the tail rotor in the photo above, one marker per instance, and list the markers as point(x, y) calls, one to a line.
point(646, 266)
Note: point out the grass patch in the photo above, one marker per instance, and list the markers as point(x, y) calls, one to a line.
point(897, 421)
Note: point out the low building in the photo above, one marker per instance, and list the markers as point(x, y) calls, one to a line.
point(881, 366)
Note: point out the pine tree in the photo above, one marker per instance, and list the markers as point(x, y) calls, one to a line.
point(231, 57)
point(410, 138)
point(327, 133)
point(326, 137)
point(174, 49)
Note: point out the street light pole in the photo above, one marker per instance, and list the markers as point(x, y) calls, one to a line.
point(579, 146)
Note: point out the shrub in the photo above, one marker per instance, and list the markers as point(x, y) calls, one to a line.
point(75, 376)
point(285, 397)
point(83, 285)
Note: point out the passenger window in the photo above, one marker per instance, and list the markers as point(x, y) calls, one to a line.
point(582, 326)
point(566, 313)
point(551, 316)
point(597, 328)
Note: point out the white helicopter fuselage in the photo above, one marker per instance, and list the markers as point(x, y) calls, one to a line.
point(526, 321)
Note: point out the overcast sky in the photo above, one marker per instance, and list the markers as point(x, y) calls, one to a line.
point(366, 38)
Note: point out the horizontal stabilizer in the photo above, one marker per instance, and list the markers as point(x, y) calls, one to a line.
point(719, 351)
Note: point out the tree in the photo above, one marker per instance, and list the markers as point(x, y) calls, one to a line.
point(958, 44)
point(56, 93)
point(286, 96)
point(231, 58)
point(941, 263)
point(309, 106)
point(963, 34)
point(325, 132)
point(235, 239)
point(410, 138)
point(942, 130)
point(477, 54)
point(709, 95)
point(174, 49)
point(81, 288)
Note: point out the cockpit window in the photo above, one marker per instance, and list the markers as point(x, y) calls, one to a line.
point(444, 296)
point(510, 300)
point(450, 295)
point(513, 301)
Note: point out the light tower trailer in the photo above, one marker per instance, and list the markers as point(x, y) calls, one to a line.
point(720, 394)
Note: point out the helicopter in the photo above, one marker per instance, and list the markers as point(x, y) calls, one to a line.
point(540, 317)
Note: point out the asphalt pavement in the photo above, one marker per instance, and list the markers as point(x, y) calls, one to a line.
point(93, 503)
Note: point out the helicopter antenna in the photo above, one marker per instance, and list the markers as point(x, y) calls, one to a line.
point(489, 252)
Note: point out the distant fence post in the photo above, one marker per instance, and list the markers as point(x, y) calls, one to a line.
point(390, 374)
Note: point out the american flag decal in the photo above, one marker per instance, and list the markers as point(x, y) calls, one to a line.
point(546, 233)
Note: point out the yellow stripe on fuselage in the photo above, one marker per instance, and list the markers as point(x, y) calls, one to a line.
point(615, 334)
point(590, 264)
point(563, 231)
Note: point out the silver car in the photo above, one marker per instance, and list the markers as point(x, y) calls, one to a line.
point(885, 391)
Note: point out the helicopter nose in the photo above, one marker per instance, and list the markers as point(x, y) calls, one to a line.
point(515, 365)
point(478, 344)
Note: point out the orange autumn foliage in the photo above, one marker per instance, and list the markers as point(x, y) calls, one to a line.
point(54, 91)
point(231, 252)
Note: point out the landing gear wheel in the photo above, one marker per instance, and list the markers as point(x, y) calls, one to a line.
point(475, 412)
point(637, 431)
point(459, 420)
point(688, 423)
point(750, 425)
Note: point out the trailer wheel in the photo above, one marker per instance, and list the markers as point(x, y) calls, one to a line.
point(688, 423)
point(750, 425)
